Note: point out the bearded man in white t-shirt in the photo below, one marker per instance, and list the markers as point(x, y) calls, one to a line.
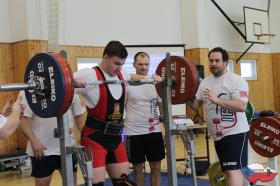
point(225, 96)
point(142, 127)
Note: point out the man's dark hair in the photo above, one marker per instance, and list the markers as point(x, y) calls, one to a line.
point(142, 54)
point(115, 48)
point(222, 51)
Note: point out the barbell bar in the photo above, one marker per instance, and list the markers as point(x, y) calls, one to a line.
point(130, 81)
point(36, 85)
point(17, 86)
point(49, 84)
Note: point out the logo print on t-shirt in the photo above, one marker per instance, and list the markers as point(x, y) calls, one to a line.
point(225, 118)
point(153, 119)
point(116, 115)
point(153, 108)
point(243, 94)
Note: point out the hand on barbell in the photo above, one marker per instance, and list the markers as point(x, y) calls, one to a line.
point(156, 78)
point(79, 83)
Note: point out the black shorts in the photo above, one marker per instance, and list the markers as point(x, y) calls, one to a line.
point(47, 165)
point(140, 147)
point(232, 151)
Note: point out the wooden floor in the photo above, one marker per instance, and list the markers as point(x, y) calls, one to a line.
point(16, 179)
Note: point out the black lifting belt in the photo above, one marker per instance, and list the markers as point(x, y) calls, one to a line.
point(105, 127)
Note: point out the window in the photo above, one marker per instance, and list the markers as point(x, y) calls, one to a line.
point(87, 62)
point(248, 69)
point(230, 65)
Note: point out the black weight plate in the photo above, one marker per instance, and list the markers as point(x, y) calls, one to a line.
point(48, 105)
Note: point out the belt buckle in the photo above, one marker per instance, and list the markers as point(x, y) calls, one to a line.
point(120, 129)
point(106, 128)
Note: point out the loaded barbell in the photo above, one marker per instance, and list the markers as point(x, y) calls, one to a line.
point(49, 84)
point(264, 136)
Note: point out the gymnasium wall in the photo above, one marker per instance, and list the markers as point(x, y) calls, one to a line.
point(197, 23)
point(204, 26)
point(5, 21)
point(94, 23)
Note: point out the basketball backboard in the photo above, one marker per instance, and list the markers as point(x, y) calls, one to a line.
point(256, 25)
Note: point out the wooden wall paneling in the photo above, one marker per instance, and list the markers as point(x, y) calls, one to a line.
point(194, 55)
point(74, 52)
point(198, 56)
point(276, 79)
point(266, 99)
point(23, 51)
point(6, 76)
point(261, 91)
point(20, 59)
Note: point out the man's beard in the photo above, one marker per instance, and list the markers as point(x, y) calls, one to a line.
point(216, 72)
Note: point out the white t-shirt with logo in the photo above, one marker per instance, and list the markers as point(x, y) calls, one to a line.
point(221, 121)
point(43, 128)
point(91, 92)
point(141, 110)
